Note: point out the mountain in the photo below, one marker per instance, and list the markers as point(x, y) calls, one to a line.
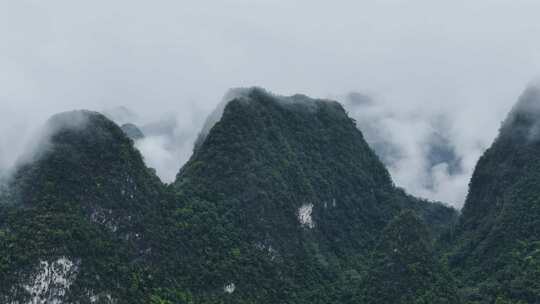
point(282, 201)
point(78, 224)
point(292, 188)
point(387, 129)
point(121, 115)
point(496, 251)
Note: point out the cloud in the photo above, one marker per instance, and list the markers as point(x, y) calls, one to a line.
point(159, 157)
point(523, 122)
point(16, 139)
point(168, 139)
point(422, 147)
point(27, 143)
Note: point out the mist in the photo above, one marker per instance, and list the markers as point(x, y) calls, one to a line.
point(435, 74)
point(425, 149)
point(523, 121)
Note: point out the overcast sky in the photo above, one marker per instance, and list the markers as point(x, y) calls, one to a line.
point(464, 62)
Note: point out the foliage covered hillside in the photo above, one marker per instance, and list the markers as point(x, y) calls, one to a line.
point(294, 189)
point(282, 202)
point(497, 240)
point(404, 267)
point(78, 217)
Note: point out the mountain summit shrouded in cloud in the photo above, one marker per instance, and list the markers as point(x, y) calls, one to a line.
point(283, 200)
point(523, 122)
point(77, 220)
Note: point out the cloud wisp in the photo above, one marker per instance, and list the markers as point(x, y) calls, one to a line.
point(424, 149)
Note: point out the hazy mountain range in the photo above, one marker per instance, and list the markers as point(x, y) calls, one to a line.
point(282, 201)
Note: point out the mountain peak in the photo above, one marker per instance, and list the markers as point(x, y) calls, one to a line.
point(265, 117)
point(296, 102)
point(84, 200)
point(264, 98)
point(523, 122)
point(71, 127)
point(72, 145)
point(71, 119)
point(77, 120)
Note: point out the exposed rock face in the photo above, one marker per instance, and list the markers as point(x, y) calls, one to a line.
point(51, 281)
point(305, 217)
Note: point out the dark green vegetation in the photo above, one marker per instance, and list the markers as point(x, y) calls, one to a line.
point(88, 197)
point(292, 154)
point(282, 202)
point(404, 268)
point(496, 254)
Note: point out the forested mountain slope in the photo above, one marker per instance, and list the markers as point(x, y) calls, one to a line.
point(497, 241)
point(282, 202)
point(296, 186)
point(76, 220)
point(404, 267)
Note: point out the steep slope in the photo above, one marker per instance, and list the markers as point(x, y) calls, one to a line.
point(404, 268)
point(498, 232)
point(77, 225)
point(289, 186)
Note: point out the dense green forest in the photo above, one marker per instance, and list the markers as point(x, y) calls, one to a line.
point(495, 250)
point(282, 201)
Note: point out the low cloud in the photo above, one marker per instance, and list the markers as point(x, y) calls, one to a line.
point(524, 119)
point(26, 142)
point(416, 59)
point(421, 145)
point(168, 138)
